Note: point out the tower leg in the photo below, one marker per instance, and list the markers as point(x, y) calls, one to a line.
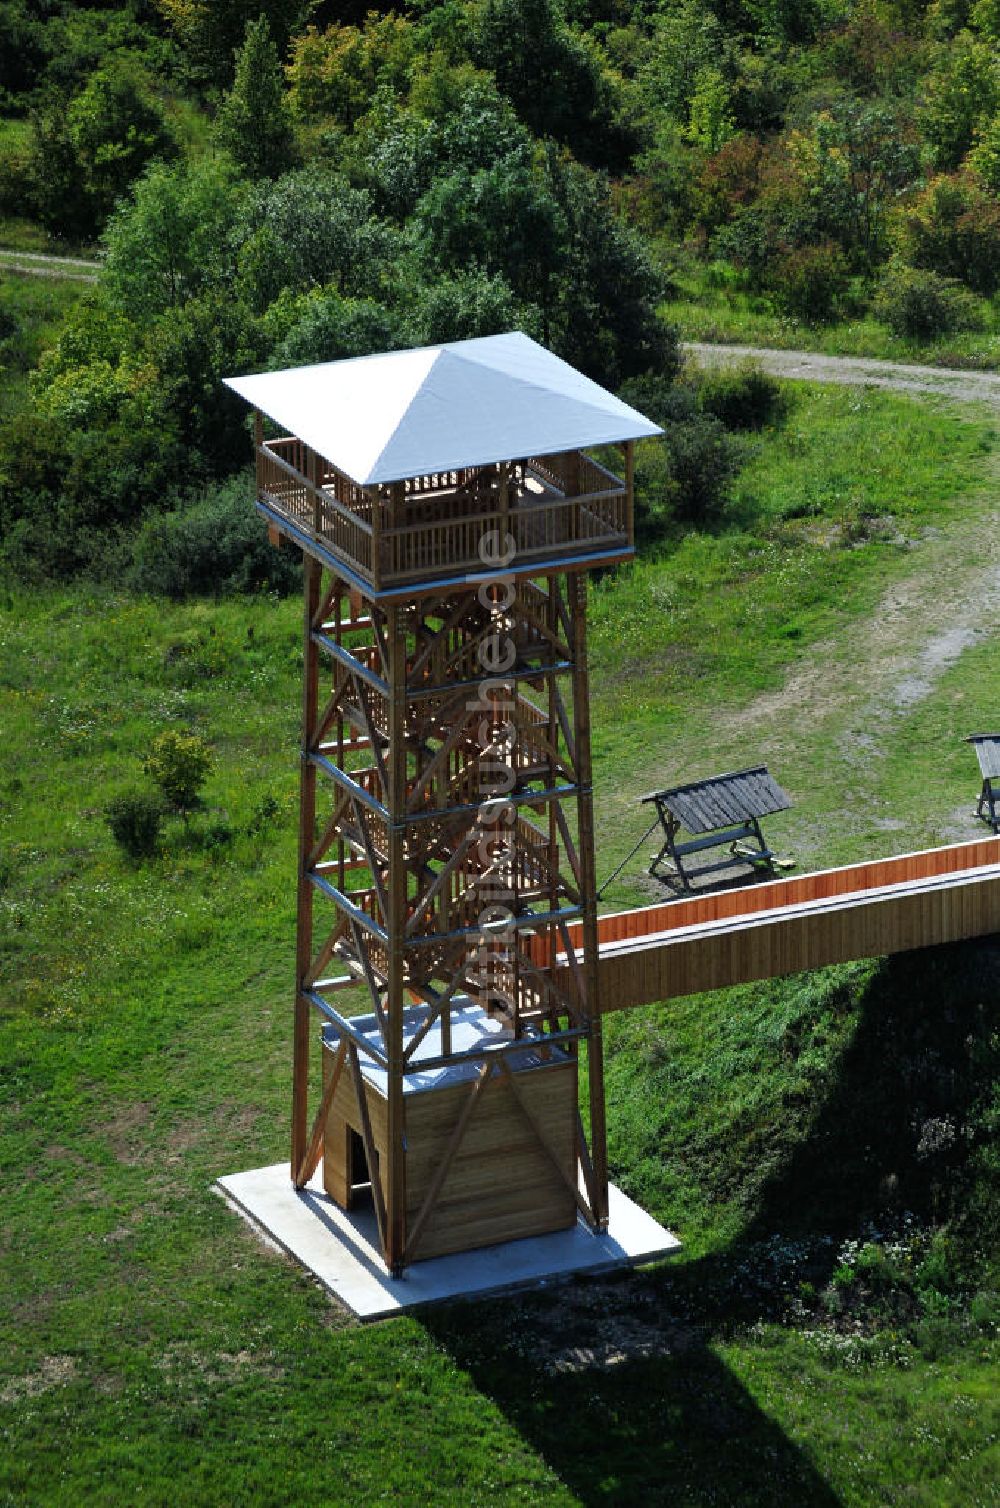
point(307, 824)
point(577, 591)
point(394, 1182)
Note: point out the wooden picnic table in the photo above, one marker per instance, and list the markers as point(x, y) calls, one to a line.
point(987, 747)
point(723, 811)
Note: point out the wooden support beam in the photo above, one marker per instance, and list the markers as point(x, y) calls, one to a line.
point(577, 594)
point(440, 879)
point(394, 1237)
point(326, 952)
point(307, 824)
point(372, 858)
point(329, 832)
point(312, 1155)
point(447, 1158)
point(341, 682)
point(374, 990)
point(436, 1006)
point(376, 739)
point(439, 635)
point(583, 1154)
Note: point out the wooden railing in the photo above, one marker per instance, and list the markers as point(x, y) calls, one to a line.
point(763, 931)
point(283, 481)
point(798, 890)
point(429, 526)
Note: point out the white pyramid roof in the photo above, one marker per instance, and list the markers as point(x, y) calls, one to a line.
point(467, 403)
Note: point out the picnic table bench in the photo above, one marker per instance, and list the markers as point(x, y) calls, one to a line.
point(987, 747)
point(721, 812)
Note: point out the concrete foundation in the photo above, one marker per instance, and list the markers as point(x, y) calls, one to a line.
point(341, 1248)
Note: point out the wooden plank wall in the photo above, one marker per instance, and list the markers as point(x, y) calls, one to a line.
point(763, 931)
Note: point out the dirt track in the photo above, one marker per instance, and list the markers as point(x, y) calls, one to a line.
point(45, 265)
point(810, 366)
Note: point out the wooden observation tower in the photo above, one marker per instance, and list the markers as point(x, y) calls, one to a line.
point(447, 512)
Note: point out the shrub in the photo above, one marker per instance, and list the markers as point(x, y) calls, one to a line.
point(728, 181)
point(809, 281)
point(179, 763)
point(703, 462)
point(214, 544)
point(134, 819)
point(920, 304)
point(744, 397)
point(984, 159)
point(263, 815)
point(953, 228)
point(688, 477)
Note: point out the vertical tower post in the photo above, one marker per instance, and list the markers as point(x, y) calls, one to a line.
point(588, 891)
point(397, 879)
point(307, 824)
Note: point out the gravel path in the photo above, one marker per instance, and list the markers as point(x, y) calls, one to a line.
point(810, 366)
point(45, 265)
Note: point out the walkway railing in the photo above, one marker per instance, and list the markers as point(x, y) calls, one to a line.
point(763, 931)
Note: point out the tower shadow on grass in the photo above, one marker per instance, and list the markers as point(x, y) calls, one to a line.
point(627, 1403)
point(902, 1118)
point(627, 1408)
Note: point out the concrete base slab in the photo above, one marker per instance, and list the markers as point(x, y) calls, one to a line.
point(341, 1249)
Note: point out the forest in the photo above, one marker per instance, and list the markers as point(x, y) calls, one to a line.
point(271, 182)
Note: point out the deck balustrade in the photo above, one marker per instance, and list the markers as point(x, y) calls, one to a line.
point(554, 507)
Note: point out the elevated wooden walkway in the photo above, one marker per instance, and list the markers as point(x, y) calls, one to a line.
point(860, 911)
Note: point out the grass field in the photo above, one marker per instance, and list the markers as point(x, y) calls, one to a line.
point(709, 304)
point(150, 1349)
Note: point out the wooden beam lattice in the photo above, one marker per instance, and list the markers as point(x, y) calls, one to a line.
point(472, 799)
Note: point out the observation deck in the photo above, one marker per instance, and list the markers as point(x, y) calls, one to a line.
point(417, 469)
point(553, 509)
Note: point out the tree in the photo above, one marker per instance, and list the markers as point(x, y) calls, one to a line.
point(83, 158)
point(464, 306)
point(501, 220)
point(953, 228)
point(169, 241)
point(336, 73)
point(984, 159)
point(55, 186)
point(307, 229)
point(211, 31)
point(963, 92)
point(553, 77)
point(116, 128)
point(322, 326)
point(687, 39)
point(710, 122)
point(253, 124)
point(852, 163)
point(403, 155)
point(605, 321)
point(22, 51)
